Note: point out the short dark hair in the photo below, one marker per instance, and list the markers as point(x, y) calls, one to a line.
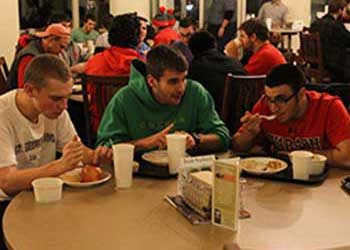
point(163, 57)
point(257, 27)
point(125, 30)
point(186, 22)
point(288, 74)
point(335, 5)
point(89, 16)
point(44, 67)
point(58, 18)
point(201, 41)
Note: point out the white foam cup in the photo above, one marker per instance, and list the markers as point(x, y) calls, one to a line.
point(48, 189)
point(318, 164)
point(123, 155)
point(301, 161)
point(176, 145)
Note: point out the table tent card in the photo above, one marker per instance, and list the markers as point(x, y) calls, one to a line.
point(225, 200)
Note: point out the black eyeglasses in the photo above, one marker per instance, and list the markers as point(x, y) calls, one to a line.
point(280, 99)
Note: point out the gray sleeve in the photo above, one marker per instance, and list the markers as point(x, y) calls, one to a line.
point(261, 14)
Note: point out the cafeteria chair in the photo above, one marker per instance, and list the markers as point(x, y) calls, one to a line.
point(240, 94)
point(100, 90)
point(342, 90)
point(4, 72)
point(312, 58)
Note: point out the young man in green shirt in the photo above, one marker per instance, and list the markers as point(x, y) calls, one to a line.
point(87, 32)
point(160, 100)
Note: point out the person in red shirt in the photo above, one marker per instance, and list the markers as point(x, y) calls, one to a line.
point(163, 23)
point(123, 36)
point(305, 120)
point(254, 36)
point(53, 40)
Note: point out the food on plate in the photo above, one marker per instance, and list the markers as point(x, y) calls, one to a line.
point(254, 165)
point(90, 173)
point(273, 165)
point(71, 177)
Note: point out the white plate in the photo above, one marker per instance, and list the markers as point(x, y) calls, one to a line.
point(72, 178)
point(157, 157)
point(259, 165)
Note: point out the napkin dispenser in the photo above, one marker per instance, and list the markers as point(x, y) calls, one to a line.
point(197, 192)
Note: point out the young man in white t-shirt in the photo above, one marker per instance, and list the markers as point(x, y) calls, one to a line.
point(34, 125)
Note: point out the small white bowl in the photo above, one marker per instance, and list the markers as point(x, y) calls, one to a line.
point(318, 164)
point(48, 189)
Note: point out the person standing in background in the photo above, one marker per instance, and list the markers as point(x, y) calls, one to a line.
point(222, 21)
point(276, 10)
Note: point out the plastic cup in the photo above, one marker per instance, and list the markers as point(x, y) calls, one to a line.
point(318, 164)
point(123, 155)
point(301, 161)
point(176, 145)
point(48, 189)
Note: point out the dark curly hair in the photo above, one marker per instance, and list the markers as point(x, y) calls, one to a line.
point(125, 31)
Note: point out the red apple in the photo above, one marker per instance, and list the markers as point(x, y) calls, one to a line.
point(91, 173)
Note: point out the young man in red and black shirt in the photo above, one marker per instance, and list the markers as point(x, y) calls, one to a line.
point(254, 37)
point(305, 120)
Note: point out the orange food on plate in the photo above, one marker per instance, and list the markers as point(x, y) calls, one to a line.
point(91, 173)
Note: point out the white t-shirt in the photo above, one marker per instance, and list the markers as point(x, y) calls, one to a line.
point(26, 144)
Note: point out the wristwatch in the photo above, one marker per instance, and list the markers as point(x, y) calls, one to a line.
point(197, 139)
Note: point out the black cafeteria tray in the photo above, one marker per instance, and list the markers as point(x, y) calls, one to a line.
point(148, 169)
point(285, 175)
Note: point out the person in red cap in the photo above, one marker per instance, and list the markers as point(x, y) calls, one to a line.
point(55, 38)
point(163, 23)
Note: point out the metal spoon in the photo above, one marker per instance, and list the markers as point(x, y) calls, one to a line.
point(268, 117)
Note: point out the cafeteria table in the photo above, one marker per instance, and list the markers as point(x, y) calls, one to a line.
point(283, 216)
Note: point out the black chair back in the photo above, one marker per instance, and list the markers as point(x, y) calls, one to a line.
point(311, 54)
point(240, 94)
point(102, 89)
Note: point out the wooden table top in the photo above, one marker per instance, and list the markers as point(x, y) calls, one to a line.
point(284, 216)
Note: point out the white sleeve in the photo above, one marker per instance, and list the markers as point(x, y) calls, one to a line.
point(65, 130)
point(7, 145)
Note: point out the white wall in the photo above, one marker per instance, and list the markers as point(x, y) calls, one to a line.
point(9, 28)
point(142, 7)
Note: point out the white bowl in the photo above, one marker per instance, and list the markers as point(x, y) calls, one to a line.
point(48, 189)
point(318, 164)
